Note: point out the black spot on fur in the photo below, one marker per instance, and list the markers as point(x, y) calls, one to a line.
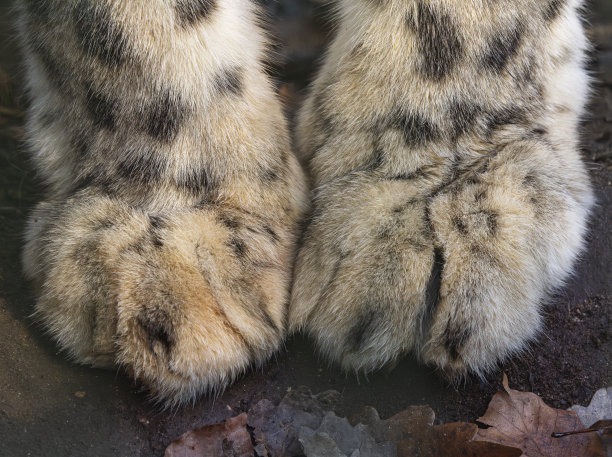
point(455, 338)
point(139, 246)
point(471, 179)
point(481, 195)
point(99, 34)
point(165, 116)
point(158, 328)
point(377, 160)
point(101, 108)
point(196, 182)
point(230, 222)
point(492, 221)
point(190, 12)
point(503, 48)
point(416, 130)
point(501, 118)
point(143, 167)
point(534, 186)
point(530, 180)
point(272, 233)
point(156, 239)
point(157, 224)
point(553, 9)
point(229, 82)
point(463, 116)
point(438, 40)
point(460, 226)
point(269, 175)
point(365, 327)
point(238, 246)
point(540, 131)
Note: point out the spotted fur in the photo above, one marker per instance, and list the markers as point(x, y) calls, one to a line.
point(160, 246)
point(450, 197)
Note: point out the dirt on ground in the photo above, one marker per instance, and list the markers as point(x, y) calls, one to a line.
point(51, 407)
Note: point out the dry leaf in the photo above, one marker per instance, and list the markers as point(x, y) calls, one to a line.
point(336, 437)
point(600, 407)
point(319, 445)
point(602, 428)
point(605, 434)
point(230, 438)
point(415, 435)
point(451, 440)
point(276, 428)
point(523, 420)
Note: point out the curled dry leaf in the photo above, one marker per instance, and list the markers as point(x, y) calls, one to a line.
point(523, 420)
point(230, 438)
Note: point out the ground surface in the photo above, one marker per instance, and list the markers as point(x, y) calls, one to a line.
point(50, 407)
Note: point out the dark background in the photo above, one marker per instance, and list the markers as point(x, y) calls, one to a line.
point(50, 407)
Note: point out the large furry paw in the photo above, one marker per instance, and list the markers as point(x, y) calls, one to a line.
point(451, 262)
point(184, 300)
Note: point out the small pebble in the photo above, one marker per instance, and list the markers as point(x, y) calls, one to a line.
point(79, 394)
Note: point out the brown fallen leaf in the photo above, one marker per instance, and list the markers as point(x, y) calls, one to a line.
point(230, 438)
point(601, 427)
point(415, 435)
point(523, 420)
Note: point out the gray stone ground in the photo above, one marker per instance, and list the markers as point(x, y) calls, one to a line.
point(50, 407)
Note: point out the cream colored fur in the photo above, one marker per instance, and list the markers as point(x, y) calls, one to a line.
point(441, 136)
point(450, 198)
point(167, 238)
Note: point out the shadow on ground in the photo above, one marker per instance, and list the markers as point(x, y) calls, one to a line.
point(50, 407)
